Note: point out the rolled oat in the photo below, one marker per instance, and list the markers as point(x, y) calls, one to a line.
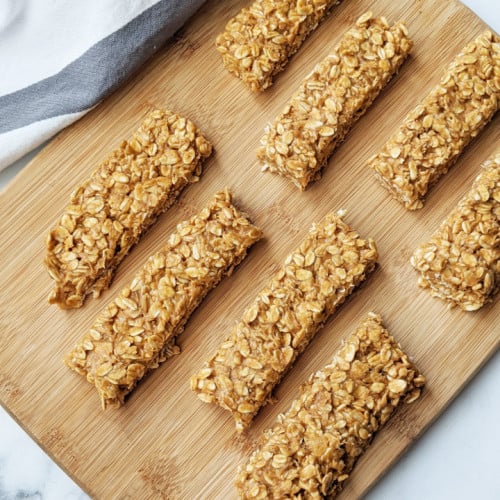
point(123, 197)
point(461, 262)
point(137, 331)
point(258, 42)
point(433, 135)
point(314, 280)
point(313, 447)
point(332, 98)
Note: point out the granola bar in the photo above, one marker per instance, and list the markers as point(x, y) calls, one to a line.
point(433, 135)
point(313, 447)
point(332, 98)
point(314, 280)
point(461, 262)
point(123, 197)
point(137, 331)
point(259, 41)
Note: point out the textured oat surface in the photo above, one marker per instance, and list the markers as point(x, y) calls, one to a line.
point(314, 280)
point(125, 194)
point(112, 453)
point(461, 261)
point(313, 447)
point(257, 43)
point(137, 330)
point(330, 100)
point(433, 135)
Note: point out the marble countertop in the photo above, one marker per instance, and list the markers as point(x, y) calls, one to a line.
point(457, 457)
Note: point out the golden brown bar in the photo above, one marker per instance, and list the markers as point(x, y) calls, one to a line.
point(313, 447)
point(123, 197)
point(314, 280)
point(433, 135)
point(259, 41)
point(137, 331)
point(461, 262)
point(332, 98)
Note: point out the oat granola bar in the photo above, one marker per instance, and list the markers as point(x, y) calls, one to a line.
point(125, 194)
point(433, 135)
point(258, 42)
point(137, 331)
point(332, 98)
point(461, 262)
point(313, 447)
point(314, 280)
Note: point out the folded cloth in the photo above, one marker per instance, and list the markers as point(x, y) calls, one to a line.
point(58, 59)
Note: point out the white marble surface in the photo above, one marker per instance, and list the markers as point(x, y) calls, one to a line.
point(457, 458)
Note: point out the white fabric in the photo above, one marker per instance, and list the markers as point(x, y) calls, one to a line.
point(40, 37)
point(60, 58)
point(16, 143)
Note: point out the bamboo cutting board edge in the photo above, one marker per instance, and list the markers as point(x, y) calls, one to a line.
point(390, 464)
point(435, 417)
point(270, 252)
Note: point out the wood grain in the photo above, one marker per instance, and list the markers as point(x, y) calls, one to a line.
point(165, 442)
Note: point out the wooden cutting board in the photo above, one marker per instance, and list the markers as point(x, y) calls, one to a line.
point(165, 442)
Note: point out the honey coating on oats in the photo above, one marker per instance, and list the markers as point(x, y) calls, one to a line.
point(331, 99)
point(314, 280)
point(312, 448)
point(137, 331)
point(434, 134)
point(258, 42)
point(122, 198)
point(461, 262)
